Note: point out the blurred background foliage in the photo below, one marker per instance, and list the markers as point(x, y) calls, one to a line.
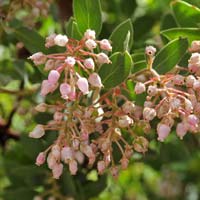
point(169, 170)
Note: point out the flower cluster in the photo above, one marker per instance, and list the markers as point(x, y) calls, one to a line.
point(92, 123)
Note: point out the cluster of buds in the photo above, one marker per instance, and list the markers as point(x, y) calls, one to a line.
point(89, 132)
point(172, 98)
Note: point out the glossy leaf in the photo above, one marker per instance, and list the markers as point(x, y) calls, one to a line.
point(189, 33)
point(88, 15)
point(120, 35)
point(115, 73)
point(186, 15)
point(170, 55)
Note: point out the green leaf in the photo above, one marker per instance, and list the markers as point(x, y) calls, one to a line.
point(72, 29)
point(31, 39)
point(120, 35)
point(187, 15)
point(88, 15)
point(170, 55)
point(189, 33)
point(168, 21)
point(139, 66)
point(115, 73)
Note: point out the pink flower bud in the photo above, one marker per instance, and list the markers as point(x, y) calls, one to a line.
point(73, 167)
point(149, 113)
point(163, 131)
point(152, 90)
point(89, 63)
point(188, 106)
point(140, 88)
point(51, 161)
point(47, 87)
point(125, 121)
point(87, 150)
point(196, 85)
point(50, 40)
point(58, 116)
point(150, 50)
point(42, 107)
point(128, 107)
point(194, 62)
point(82, 84)
point(70, 61)
point(38, 58)
point(65, 90)
point(175, 103)
point(190, 80)
point(53, 77)
point(67, 154)
point(90, 34)
point(124, 163)
point(195, 46)
point(40, 158)
point(178, 79)
point(95, 80)
point(102, 58)
point(37, 198)
point(115, 171)
point(105, 45)
point(50, 64)
point(37, 132)
point(101, 166)
point(61, 40)
point(57, 170)
point(90, 44)
point(192, 120)
point(181, 130)
point(79, 157)
point(55, 151)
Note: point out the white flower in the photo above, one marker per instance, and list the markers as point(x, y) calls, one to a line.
point(61, 40)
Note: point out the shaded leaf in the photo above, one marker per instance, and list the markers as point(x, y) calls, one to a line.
point(170, 55)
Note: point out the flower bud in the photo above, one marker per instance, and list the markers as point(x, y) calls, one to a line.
point(95, 80)
point(190, 80)
point(57, 170)
point(188, 106)
point(61, 40)
point(40, 158)
point(55, 151)
point(140, 144)
point(150, 50)
point(90, 44)
point(53, 77)
point(51, 161)
point(124, 162)
point(50, 64)
point(196, 85)
point(50, 40)
point(175, 103)
point(163, 131)
point(181, 130)
point(38, 58)
point(73, 167)
point(67, 154)
point(152, 90)
point(37, 198)
point(79, 157)
point(192, 120)
point(101, 166)
point(102, 58)
point(125, 121)
point(140, 88)
point(42, 107)
point(128, 107)
point(195, 46)
point(105, 45)
point(37, 132)
point(90, 34)
point(70, 61)
point(65, 90)
point(194, 62)
point(82, 84)
point(178, 79)
point(89, 63)
point(149, 113)
point(47, 87)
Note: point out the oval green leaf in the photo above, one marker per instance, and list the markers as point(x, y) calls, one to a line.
point(186, 15)
point(120, 35)
point(189, 33)
point(170, 55)
point(88, 15)
point(115, 73)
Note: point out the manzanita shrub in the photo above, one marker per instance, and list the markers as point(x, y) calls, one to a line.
point(105, 99)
